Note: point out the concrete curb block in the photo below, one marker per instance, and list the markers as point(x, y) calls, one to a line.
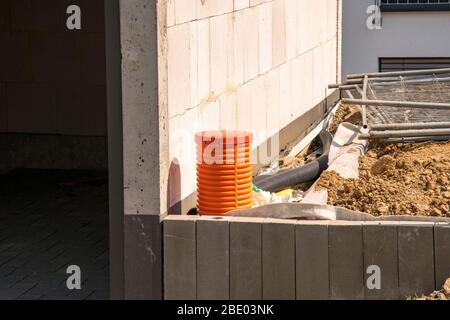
point(245, 258)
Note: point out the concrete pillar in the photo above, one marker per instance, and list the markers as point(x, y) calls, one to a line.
point(136, 171)
point(142, 205)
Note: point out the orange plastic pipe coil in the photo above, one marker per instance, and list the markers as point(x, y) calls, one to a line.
point(224, 172)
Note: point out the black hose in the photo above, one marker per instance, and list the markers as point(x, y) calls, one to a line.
point(294, 177)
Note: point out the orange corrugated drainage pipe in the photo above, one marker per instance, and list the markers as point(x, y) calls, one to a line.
point(224, 172)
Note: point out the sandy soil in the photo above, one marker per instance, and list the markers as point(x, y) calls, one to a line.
point(444, 294)
point(345, 113)
point(411, 179)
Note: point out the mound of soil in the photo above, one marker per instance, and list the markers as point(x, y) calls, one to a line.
point(444, 294)
point(345, 113)
point(398, 179)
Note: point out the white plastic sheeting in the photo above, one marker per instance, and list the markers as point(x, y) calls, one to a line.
point(345, 151)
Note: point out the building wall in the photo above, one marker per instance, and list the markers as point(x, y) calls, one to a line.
point(52, 86)
point(52, 80)
point(403, 34)
point(253, 65)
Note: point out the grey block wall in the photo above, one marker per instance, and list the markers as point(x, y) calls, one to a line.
point(442, 253)
point(180, 268)
point(213, 259)
point(52, 80)
point(238, 258)
point(416, 259)
point(245, 260)
point(278, 260)
point(380, 246)
point(346, 261)
point(52, 84)
point(312, 261)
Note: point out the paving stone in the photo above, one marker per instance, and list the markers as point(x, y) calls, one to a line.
point(312, 272)
point(416, 260)
point(442, 253)
point(180, 280)
point(346, 261)
point(33, 250)
point(381, 251)
point(278, 261)
point(213, 260)
point(245, 260)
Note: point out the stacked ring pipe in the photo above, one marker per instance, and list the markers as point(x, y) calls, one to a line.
point(224, 172)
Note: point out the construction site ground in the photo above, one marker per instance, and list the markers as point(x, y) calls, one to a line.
point(394, 179)
point(443, 294)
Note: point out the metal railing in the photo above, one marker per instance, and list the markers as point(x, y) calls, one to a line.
point(402, 105)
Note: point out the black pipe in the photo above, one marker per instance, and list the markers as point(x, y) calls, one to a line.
point(294, 177)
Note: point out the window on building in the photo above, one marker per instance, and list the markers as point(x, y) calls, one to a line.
point(414, 5)
point(407, 64)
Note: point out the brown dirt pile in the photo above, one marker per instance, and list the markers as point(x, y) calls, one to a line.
point(401, 179)
point(345, 113)
point(444, 294)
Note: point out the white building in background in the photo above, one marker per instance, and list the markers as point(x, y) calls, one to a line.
point(410, 34)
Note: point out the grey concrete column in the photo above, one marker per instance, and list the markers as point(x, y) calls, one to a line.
point(140, 118)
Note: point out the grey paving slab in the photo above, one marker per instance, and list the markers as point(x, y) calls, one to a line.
point(245, 261)
point(346, 261)
point(278, 261)
point(312, 271)
point(416, 260)
point(381, 262)
point(442, 253)
point(180, 281)
point(213, 260)
point(37, 216)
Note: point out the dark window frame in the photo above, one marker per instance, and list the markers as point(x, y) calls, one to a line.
point(412, 5)
point(386, 64)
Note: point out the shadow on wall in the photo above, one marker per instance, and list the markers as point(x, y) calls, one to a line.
point(174, 188)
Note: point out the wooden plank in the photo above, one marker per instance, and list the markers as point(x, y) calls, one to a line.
point(416, 259)
point(346, 261)
point(381, 251)
point(180, 281)
point(312, 273)
point(278, 261)
point(442, 253)
point(246, 259)
point(213, 257)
